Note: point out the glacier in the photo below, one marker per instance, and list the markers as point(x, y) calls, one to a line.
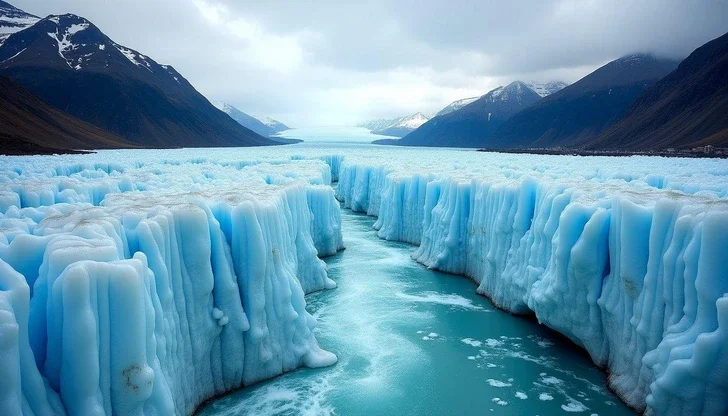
point(133, 288)
point(146, 282)
point(624, 256)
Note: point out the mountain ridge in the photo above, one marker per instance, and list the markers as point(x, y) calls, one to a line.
point(686, 108)
point(69, 63)
point(579, 112)
point(396, 127)
point(471, 125)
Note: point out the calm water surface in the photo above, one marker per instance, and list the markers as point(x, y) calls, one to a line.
point(412, 341)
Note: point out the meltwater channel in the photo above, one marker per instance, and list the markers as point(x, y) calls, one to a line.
point(413, 341)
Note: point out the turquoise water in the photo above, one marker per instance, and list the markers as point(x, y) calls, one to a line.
point(412, 341)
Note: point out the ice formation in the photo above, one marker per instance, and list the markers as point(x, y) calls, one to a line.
point(141, 287)
point(625, 256)
point(146, 286)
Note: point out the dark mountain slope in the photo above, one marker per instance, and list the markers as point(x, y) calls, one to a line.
point(73, 66)
point(246, 120)
point(686, 108)
point(581, 111)
point(28, 125)
point(473, 124)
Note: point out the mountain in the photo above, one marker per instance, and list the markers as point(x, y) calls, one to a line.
point(276, 125)
point(245, 120)
point(73, 66)
point(455, 105)
point(13, 20)
point(472, 125)
point(546, 88)
point(397, 127)
point(579, 112)
point(262, 125)
point(28, 125)
point(687, 108)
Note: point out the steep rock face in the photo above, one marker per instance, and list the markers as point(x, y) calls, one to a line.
point(28, 125)
point(73, 66)
point(686, 108)
point(472, 125)
point(581, 111)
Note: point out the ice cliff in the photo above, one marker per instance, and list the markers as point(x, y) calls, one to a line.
point(627, 257)
point(137, 284)
point(146, 288)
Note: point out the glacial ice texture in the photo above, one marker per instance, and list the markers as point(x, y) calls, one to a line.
point(627, 257)
point(144, 282)
point(145, 287)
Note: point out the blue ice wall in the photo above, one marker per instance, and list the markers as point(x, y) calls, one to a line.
point(635, 274)
point(149, 289)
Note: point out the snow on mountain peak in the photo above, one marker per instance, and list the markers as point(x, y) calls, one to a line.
point(456, 105)
point(63, 36)
point(414, 121)
point(546, 88)
point(13, 20)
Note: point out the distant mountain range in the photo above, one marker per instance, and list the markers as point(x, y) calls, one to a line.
point(71, 65)
point(542, 89)
point(264, 126)
point(578, 113)
point(65, 85)
point(472, 124)
point(396, 127)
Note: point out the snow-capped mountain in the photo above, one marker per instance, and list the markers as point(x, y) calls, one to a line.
point(456, 105)
point(13, 20)
point(546, 88)
point(541, 88)
point(584, 109)
point(69, 63)
point(473, 124)
point(251, 122)
point(276, 125)
point(397, 127)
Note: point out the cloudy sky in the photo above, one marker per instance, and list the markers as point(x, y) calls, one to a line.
point(339, 62)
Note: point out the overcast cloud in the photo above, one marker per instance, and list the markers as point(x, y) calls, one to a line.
point(328, 62)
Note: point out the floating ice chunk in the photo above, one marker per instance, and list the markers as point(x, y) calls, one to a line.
point(498, 383)
point(521, 395)
point(574, 407)
point(471, 342)
point(545, 397)
point(499, 401)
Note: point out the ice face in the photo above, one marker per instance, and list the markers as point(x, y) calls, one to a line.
point(135, 289)
point(186, 272)
point(626, 257)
